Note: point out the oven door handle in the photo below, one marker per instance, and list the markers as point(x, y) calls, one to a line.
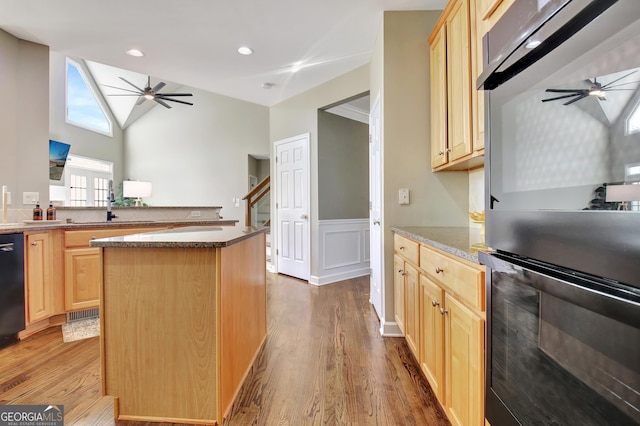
point(608, 298)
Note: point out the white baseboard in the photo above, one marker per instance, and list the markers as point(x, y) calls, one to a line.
point(390, 329)
point(328, 279)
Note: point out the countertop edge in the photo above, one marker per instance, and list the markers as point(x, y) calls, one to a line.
point(464, 253)
point(116, 242)
point(21, 228)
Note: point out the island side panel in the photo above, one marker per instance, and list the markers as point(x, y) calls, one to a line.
point(158, 310)
point(243, 314)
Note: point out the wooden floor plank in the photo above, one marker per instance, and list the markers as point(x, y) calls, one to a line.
point(323, 362)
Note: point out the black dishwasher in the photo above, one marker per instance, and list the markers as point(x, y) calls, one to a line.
point(11, 287)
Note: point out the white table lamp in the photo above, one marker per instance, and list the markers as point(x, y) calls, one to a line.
point(136, 189)
point(623, 194)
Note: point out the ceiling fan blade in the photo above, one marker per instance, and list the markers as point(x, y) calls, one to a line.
point(158, 87)
point(561, 97)
point(576, 91)
point(120, 88)
point(174, 94)
point(141, 100)
point(618, 79)
point(173, 100)
point(576, 99)
point(161, 102)
point(622, 84)
point(131, 84)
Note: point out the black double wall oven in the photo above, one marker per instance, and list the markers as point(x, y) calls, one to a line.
point(562, 176)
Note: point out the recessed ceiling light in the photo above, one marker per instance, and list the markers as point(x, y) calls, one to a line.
point(244, 50)
point(135, 52)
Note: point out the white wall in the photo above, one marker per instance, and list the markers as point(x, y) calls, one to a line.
point(24, 118)
point(299, 115)
point(197, 155)
point(83, 142)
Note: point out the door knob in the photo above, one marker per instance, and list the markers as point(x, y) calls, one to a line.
point(304, 216)
point(376, 222)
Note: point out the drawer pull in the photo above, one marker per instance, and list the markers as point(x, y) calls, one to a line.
point(443, 311)
point(438, 270)
point(34, 244)
point(434, 303)
point(401, 247)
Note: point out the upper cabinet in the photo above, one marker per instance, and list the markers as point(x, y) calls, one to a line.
point(457, 107)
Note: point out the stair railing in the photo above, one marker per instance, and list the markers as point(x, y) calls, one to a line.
point(254, 196)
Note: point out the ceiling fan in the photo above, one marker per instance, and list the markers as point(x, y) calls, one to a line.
point(149, 93)
point(595, 89)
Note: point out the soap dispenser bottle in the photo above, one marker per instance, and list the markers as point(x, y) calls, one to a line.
point(51, 212)
point(37, 212)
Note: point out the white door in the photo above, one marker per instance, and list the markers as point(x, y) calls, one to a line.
point(292, 206)
point(375, 212)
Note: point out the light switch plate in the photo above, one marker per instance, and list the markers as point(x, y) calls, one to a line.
point(403, 196)
point(32, 198)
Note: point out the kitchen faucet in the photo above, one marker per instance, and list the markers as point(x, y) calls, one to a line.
point(110, 199)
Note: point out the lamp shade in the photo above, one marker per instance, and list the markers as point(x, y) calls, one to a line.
point(621, 193)
point(136, 189)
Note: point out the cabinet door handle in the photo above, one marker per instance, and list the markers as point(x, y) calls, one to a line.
point(401, 247)
point(438, 270)
point(434, 303)
point(35, 243)
point(443, 311)
point(441, 153)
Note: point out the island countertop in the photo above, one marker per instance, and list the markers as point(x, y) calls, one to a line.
point(187, 237)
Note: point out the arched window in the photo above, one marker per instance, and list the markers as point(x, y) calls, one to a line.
point(84, 108)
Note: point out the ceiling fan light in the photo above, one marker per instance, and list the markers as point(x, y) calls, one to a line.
point(135, 52)
point(601, 94)
point(149, 96)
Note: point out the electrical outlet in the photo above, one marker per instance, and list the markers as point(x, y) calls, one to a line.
point(30, 198)
point(195, 213)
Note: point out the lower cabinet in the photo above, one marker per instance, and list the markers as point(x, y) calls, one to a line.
point(39, 278)
point(83, 278)
point(83, 264)
point(452, 333)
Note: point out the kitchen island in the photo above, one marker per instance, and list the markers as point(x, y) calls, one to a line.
point(183, 315)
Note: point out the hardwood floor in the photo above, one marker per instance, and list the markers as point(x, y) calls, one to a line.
point(323, 362)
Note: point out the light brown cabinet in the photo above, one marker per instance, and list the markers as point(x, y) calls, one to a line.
point(452, 333)
point(442, 316)
point(39, 278)
point(406, 290)
point(83, 265)
point(456, 62)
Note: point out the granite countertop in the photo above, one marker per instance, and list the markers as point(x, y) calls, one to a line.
point(47, 225)
point(461, 242)
point(188, 237)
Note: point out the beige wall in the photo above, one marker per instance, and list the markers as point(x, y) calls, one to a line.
point(197, 156)
point(299, 115)
point(343, 168)
point(24, 118)
point(400, 72)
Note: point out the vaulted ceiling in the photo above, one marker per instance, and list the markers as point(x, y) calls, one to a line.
point(297, 44)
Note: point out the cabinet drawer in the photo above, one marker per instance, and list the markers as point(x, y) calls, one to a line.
point(81, 238)
point(464, 281)
point(406, 248)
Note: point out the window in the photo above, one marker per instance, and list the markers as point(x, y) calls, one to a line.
point(84, 108)
point(86, 183)
point(633, 122)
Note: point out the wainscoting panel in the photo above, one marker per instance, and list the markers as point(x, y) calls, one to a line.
point(343, 249)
